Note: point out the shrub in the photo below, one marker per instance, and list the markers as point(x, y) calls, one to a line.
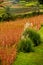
point(0, 18)
point(33, 35)
point(35, 13)
point(41, 25)
point(6, 16)
point(26, 45)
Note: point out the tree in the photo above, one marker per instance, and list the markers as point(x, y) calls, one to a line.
point(7, 14)
point(40, 1)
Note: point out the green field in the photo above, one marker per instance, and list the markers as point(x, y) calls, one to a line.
point(27, 4)
point(32, 58)
point(30, 4)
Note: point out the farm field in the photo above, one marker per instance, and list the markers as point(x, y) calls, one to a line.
point(7, 28)
point(20, 7)
point(10, 34)
point(21, 32)
point(21, 10)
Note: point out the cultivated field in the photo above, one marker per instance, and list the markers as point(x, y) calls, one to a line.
point(10, 34)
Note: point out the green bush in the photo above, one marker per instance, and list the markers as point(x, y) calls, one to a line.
point(0, 18)
point(33, 35)
point(6, 16)
point(35, 13)
point(41, 25)
point(26, 45)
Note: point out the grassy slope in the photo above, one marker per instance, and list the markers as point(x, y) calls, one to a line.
point(41, 32)
point(33, 58)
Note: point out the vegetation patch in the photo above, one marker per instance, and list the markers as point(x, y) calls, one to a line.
point(26, 45)
point(33, 35)
point(33, 58)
